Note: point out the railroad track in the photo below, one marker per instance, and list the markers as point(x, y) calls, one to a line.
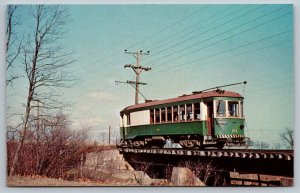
point(232, 153)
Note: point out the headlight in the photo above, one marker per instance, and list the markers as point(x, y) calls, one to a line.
point(242, 126)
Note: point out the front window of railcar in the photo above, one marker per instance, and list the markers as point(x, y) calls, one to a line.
point(233, 108)
point(220, 108)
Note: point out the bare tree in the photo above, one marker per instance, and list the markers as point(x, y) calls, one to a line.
point(103, 137)
point(13, 43)
point(115, 137)
point(206, 171)
point(277, 146)
point(46, 63)
point(287, 137)
point(261, 145)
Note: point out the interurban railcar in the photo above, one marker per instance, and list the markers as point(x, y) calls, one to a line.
point(202, 119)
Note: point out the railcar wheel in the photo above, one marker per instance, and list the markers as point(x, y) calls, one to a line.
point(138, 144)
point(190, 144)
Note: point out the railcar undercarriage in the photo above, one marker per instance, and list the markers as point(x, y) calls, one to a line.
point(185, 141)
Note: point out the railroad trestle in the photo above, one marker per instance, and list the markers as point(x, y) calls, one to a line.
point(245, 161)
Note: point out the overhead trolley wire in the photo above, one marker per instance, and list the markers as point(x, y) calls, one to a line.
point(199, 34)
point(101, 66)
point(177, 67)
point(243, 45)
point(164, 29)
point(186, 29)
point(217, 42)
point(250, 43)
point(169, 26)
point(257, 49)
point(222, 40)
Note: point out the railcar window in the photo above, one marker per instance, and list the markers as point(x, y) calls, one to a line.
point(151, 116)
point(169, 114)
point(182, 112)
point(189, 112)
point(175, 113)
point(163, 115)
point(221, 108)
point(197, 111)
point(233, 108)
point(157, 115)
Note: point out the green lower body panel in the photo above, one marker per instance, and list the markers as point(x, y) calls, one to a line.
point(222, 128)
point(180, 128)
point(227, 127)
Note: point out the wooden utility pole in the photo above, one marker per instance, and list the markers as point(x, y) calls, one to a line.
point(138, 70)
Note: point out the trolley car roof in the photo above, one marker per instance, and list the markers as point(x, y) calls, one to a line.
point(215, 93)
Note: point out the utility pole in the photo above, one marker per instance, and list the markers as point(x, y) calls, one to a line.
point(138, 70)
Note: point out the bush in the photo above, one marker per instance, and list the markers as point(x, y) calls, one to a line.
point(51, 149)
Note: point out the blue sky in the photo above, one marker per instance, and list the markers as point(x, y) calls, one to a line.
point(192, 47)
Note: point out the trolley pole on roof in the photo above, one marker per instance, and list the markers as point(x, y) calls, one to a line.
point(138, 69)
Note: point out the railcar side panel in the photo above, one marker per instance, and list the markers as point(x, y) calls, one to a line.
point(187, 128)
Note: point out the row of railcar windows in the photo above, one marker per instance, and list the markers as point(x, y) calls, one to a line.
point(178, 113)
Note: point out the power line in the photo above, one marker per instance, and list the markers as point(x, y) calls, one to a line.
point(247, 52)
point(164, 29)
point(111, 56)
point(222, 40)
point(258, 49)
point(103, 68)
point(197, 35)
point(228, 50)
point(178, 33)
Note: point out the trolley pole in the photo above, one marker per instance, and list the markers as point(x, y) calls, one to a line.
point(138, 70)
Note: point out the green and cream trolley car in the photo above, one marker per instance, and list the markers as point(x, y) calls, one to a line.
point(198, 120)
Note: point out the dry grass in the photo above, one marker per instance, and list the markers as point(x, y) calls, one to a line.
point(39, 181)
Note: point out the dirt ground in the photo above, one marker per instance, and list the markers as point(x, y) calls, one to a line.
point(21, 181)
point(36, 181)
